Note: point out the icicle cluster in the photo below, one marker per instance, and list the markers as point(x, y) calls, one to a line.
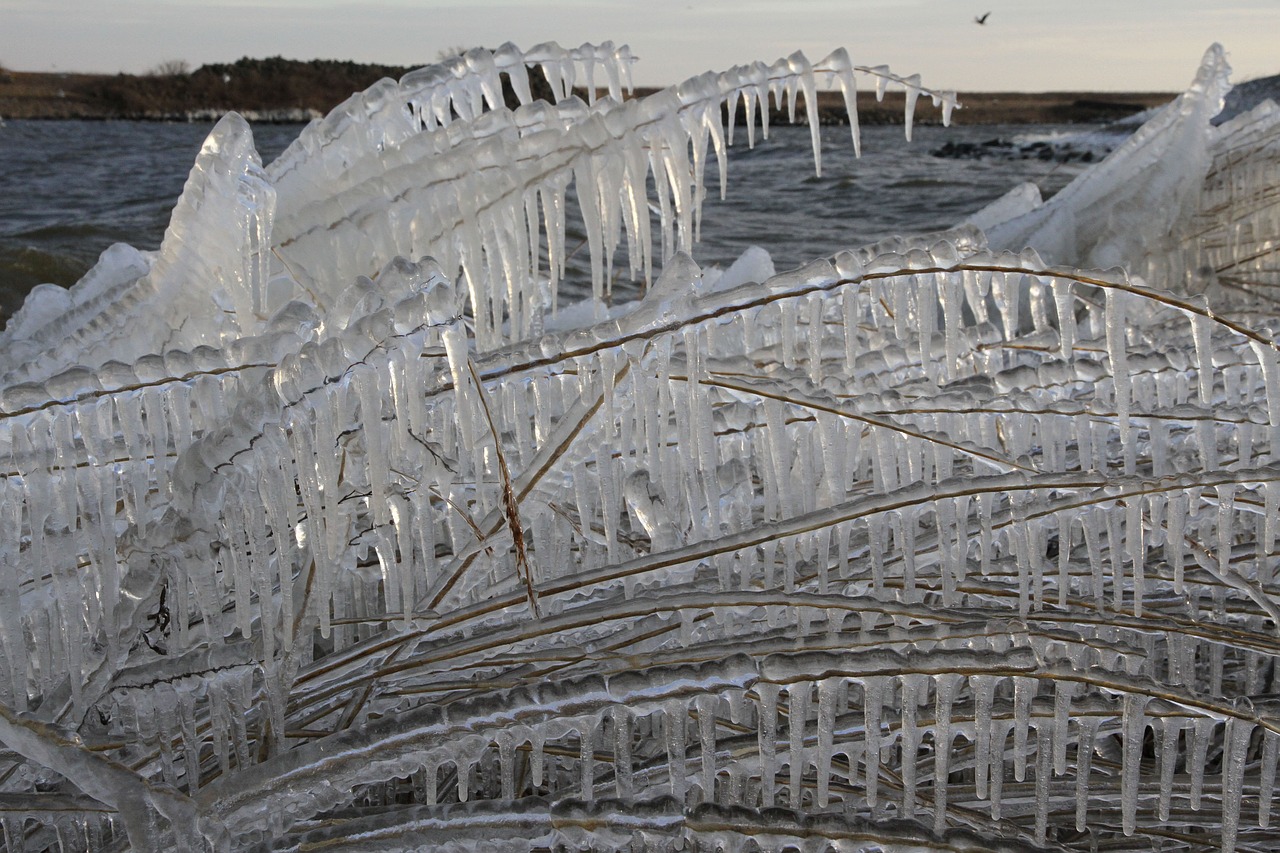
point(925, 545)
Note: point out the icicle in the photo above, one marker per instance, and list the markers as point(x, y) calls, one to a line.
point(536, 758)
point(1168, 758)
point(797, 722)
point(1234, 758)
point(839, 66)
point(1117, 352)
point(165, 705)
point(240, 703)
point(14, 833)
point(1115, 552)
point(1001, 735)
point(1195, 763)
point(768, 735)
point(587, 758)
point(1088, 729)
point(802, 73)
point(1024, 690)
point(1267, 782)
point(912, 85)
point(188, 699)
point(220, 722)
point(706, 707)
point(1226, 533)
point(1064, 301)
point(431, 793)
point(674, 719)
point(1269, 364)
point(1201, 329)
point(949, 104)
point(945, 688)
point(622, 734)
point(983, 687)
point(1043, 781)
point(882, 75)
point(506, 765)
point(1175, 546)
point(828, 690)
point(1133, 532)
point(873, 704)
point(1063, 691)
point(912, 685)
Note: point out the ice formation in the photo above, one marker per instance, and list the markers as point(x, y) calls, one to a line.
point(332, 525)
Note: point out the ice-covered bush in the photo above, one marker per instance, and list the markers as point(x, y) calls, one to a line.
point(331, 526)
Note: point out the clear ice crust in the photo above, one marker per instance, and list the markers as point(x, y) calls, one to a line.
point(350, 520)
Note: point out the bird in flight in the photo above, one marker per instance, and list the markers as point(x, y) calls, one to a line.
point(982, 19)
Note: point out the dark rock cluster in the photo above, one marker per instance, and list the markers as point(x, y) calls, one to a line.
point(1004, 149)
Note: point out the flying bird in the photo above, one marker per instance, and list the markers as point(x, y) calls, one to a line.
point(982, 19)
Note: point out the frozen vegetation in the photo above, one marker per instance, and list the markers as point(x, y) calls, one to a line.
point(331, 525)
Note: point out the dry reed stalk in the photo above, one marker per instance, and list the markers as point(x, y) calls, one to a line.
point(510, 507)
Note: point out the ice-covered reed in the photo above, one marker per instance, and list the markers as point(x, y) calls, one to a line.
point(926, 545)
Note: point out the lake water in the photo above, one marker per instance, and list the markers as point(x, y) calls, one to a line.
point(69, 189)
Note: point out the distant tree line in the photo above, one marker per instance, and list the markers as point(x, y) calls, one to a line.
point(247, 84)
point(274, 83)
point(171, 89)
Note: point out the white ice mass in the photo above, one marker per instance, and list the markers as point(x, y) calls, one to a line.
point(332, 525)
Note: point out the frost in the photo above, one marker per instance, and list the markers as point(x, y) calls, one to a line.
point(356, 516)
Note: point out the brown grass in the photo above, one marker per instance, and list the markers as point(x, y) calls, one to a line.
point(510, 507)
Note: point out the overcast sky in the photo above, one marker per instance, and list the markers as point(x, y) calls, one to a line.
point(1027, 45)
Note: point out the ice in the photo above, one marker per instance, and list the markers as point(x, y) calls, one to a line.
point(51, 314)
point(1102, 219)
point(346, 513)
point(753, 265)
point(945, 687)
point(768, 727)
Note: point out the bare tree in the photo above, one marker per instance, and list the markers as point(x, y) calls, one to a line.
point(171, 68)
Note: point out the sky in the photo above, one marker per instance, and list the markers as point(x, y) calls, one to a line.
point(1025, 45)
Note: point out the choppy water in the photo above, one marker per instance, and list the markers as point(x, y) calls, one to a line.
point(775, 200)
point(69, 189)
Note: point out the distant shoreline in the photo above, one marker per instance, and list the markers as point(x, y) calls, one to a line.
point(276, 90)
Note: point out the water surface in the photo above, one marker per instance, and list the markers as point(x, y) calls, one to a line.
point(69, 189)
